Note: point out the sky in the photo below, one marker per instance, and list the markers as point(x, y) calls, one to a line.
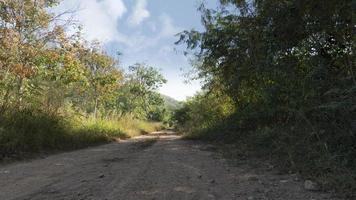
point(144, 32)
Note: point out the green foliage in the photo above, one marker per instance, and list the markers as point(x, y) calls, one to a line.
point(203, 111)
point(171, 104)
point(59, 91)
point(113, 127)
point(139, 95)
point(29, 131)
point(288, 67)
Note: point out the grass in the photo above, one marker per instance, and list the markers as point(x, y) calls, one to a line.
point(292, 148)
point(28, 132)
point(138, 127)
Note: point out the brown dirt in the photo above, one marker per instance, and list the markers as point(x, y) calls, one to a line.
point(157, 166)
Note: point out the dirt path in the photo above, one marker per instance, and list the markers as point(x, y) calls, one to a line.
point(149, 167)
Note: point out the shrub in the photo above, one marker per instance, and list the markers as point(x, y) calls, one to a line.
point(28, 131)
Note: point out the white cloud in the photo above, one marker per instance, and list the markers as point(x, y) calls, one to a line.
point(115, 8)
point(139, 13)
point(99, 18)
point(152, 25)
point(100, 21)
point(152, 43)
point(168, 29)
point(165, 30)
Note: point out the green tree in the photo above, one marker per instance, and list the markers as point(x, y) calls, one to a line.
point(103, 76)
point(288, 66)
point(25, 32)
point(141, 89)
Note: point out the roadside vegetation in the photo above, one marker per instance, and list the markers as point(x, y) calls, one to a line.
point(59, 91)
point(280, 83)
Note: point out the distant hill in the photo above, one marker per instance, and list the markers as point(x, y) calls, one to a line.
point(171, 103)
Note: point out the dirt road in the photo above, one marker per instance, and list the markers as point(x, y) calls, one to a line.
point(159, 166)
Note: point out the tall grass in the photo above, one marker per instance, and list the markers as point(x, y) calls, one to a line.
point(134, 127)
point(116, 127)
point(27, 132)
point(293, 147)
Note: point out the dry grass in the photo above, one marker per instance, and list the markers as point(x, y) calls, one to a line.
point(28, 132)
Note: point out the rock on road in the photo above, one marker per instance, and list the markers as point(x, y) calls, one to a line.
point(158, 166)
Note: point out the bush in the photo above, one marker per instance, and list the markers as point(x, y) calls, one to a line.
point(325, 155)
point(29, 131)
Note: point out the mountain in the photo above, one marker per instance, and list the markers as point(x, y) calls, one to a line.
point(171, 103)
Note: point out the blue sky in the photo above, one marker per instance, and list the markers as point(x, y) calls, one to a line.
point(144, 31)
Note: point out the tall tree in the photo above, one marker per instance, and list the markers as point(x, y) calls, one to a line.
point(142, 84)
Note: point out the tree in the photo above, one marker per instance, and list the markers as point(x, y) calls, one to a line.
point(281, 57)
point(25, 32)
point(141, 89)
point(288, 66)
point(103, 76)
